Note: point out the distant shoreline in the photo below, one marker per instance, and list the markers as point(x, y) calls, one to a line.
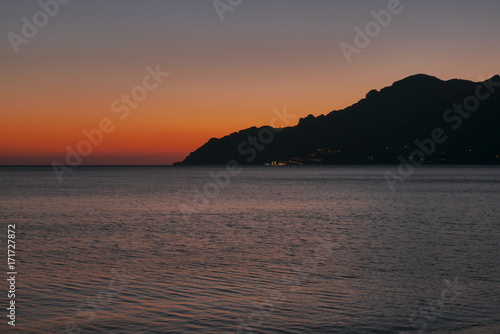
point(264, 166)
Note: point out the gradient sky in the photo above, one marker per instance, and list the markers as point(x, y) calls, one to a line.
point(224, 75)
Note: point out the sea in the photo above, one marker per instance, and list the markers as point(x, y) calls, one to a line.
point(264, 249)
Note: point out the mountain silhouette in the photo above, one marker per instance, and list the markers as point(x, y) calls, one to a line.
point(383, 128)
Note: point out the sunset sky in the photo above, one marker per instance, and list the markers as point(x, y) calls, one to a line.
point(223, 75)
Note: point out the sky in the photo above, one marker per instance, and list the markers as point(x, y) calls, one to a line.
point(100, 67)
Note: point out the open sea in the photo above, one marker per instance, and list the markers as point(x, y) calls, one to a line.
point(269, 250)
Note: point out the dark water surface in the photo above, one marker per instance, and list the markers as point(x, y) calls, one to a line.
point(273, 250)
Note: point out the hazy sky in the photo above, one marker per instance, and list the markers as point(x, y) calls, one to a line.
point(223, 75)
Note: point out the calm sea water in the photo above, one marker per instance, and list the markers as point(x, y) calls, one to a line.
point(276, 250)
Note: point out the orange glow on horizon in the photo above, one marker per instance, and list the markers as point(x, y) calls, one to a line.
point(223, 77)
point(153, 131)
